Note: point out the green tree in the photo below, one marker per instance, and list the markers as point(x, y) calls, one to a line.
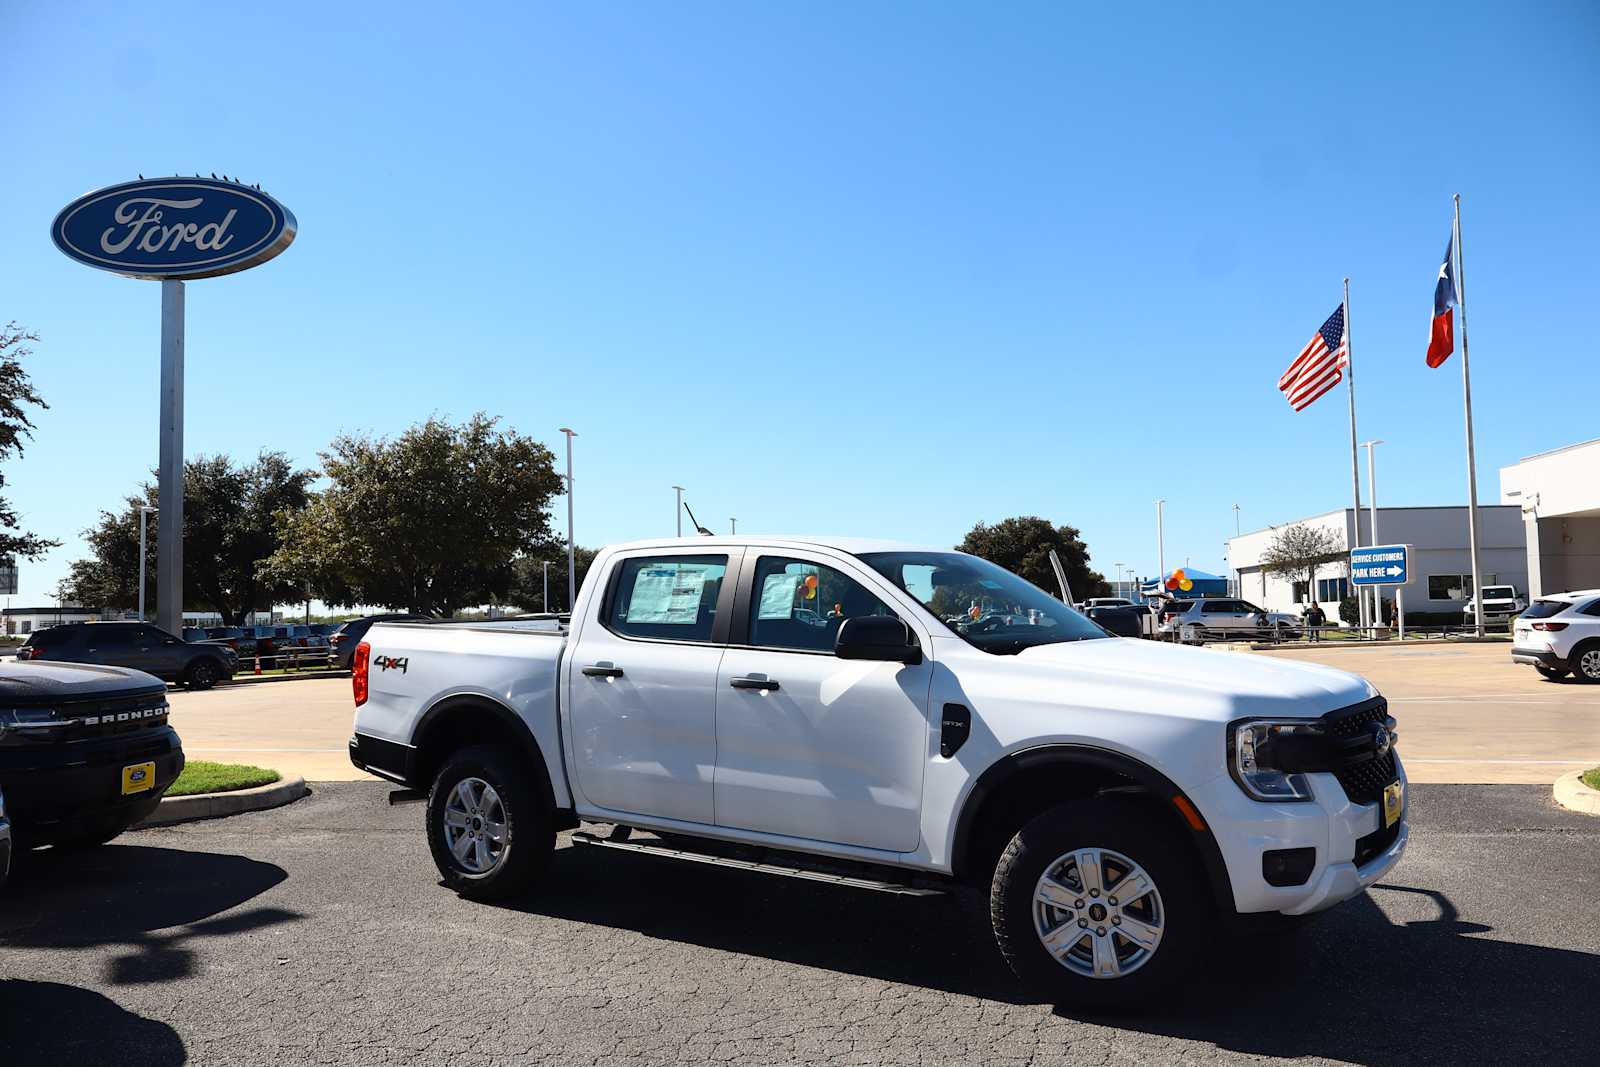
point(1297, 552)
point(230, 524)
point(527, 577)
point(1022, 546)
point(17, 394)
point(430, 521)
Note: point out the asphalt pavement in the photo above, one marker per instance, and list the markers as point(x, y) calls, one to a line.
point(318, 933)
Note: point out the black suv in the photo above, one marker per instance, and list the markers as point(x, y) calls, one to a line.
point(133, 644)
point(344, 640)
point(85, 751)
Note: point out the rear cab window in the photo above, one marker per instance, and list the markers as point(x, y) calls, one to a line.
point(666, 598)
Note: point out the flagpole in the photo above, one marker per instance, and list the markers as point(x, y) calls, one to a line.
point(1472, 460)
point(1355, 468)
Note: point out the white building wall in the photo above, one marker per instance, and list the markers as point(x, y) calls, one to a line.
point(1439, 546)
point(1559, 495)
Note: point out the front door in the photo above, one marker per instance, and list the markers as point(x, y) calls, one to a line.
point(643, 682)
point(1225, 615)
point(810, 745)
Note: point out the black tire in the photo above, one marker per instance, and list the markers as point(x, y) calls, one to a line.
point(529, 836)
point(1554, 674)
point(203, 674)
point(1119, 825)
point(1585, 662)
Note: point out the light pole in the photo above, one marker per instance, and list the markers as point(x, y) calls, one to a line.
point(546, 586)
point(1161, 542)
point(1119, 579)
point(1372, 522)
point(144, 513)
point(572, 570)
point(733, 526)
point(678, 511)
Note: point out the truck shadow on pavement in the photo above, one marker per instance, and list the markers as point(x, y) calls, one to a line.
point(151, 901)
point(1350, 986)
point(48, 1023)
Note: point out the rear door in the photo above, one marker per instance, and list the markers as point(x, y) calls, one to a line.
point(810, 745)
point(643, 684)
point(1223, 615)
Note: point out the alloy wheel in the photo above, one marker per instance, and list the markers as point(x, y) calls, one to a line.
point(1589, 664)
point(475, 826)
point(1098, 913)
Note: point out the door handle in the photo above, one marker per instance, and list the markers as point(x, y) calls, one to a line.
point(765, 684)
point(603, 670)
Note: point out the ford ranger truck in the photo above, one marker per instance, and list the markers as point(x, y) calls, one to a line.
point(900, 719)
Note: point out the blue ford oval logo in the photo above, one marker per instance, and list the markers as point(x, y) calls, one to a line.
point(1381, 740)
point(174, 228)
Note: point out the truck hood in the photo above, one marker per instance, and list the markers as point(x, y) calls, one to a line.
point(1198, 683)
point(46, 682)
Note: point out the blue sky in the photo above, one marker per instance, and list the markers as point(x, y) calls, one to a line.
point(883, 269)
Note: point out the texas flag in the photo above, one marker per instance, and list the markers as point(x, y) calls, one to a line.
point(1442, 341)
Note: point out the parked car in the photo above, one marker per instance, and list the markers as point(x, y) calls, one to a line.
point(1106, 602)
point(1124, 620)
point(85, 751)
point(5, 841)
point(1500, 603)
point(235, 637)
point(133, 644)
point(1560, 634)
point(1199, 620)
point(1117, 801)
point(194, 634)
point(344, 640)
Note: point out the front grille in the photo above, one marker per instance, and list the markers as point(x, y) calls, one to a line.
point(1363, 782)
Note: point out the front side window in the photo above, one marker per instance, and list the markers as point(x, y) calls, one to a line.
point(797, 604)
point(984, 604)
point(667, 598)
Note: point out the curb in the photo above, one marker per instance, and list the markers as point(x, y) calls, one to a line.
point(1571, 793)
point(217, 805)
point(1390, 642)
point(250, 679)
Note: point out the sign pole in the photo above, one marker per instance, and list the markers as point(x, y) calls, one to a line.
point(169, 527)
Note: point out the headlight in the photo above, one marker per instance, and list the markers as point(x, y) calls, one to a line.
point(22, 718)
point(1260, 750)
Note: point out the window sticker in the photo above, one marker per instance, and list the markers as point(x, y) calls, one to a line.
point(988, 583)
point(668, 594)
point(777, 596)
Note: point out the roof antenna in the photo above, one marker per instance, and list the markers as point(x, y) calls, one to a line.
point(698, 528)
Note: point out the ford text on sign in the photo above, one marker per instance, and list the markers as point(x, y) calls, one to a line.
point(1378, 565)
point(174, 228)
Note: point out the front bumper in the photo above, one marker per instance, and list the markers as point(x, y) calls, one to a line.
point(59, 791)
point(1353, 849)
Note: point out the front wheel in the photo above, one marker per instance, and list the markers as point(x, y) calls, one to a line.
point(1585, 662)
point(1098, 904)
point(203, 674)
point(489, 830)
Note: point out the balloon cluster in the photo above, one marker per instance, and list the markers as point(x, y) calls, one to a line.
point(1178, 580)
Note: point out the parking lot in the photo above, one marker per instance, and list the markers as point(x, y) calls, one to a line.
point(1466, 712)
point(318, 933)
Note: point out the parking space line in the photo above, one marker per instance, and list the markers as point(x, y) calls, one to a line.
point(1586, 761)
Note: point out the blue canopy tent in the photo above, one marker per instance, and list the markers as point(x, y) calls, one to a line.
point(1204, 584)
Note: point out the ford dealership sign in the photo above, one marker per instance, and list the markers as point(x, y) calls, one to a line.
point(174, 228)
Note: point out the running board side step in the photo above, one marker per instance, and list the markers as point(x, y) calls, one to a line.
point(584, 837)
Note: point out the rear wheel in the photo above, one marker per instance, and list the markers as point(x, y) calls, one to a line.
point(489, 830)
point(1585, 661)
point(203, 674)
point(1555, 674)
point(1096, 903)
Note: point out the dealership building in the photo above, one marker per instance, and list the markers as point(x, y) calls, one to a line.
point(1440, 564)
point(1558, 496)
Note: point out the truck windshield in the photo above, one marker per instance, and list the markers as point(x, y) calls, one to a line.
point(986, 605)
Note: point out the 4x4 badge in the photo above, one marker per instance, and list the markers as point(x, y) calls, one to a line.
point(391, 663)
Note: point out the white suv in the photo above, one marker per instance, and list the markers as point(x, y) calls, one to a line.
point(1560, 633)
point(1500, 603)
point(1200, 620)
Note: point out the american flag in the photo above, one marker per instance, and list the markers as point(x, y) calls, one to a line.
point(1319, 366)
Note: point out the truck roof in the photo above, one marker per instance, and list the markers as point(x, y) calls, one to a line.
point(853, 545)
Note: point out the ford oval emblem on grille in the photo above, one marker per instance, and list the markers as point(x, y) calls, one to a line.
point(1381, 741)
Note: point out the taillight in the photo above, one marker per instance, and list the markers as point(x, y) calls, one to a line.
point(1553, 627)
point(358, 672)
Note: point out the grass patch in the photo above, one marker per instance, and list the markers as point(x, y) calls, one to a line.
point(203, 776)
point(1592, 778)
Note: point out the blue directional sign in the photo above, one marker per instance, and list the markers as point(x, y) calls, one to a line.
point(1378, 565)
point(174, 228)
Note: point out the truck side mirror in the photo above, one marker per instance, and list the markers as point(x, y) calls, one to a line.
point(877, 637)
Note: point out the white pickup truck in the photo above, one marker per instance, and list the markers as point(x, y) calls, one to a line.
point(894, 718)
